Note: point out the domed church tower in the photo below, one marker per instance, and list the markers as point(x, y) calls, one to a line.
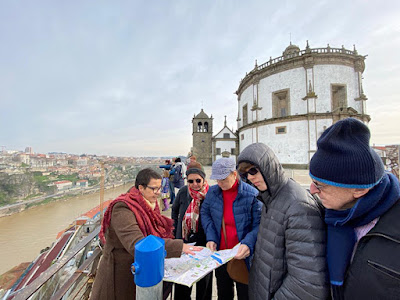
point(202, 136)
point(287, 102)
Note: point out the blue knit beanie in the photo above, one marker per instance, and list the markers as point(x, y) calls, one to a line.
point(344, 157)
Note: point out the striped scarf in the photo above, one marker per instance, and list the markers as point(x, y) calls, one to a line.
point(190, 223)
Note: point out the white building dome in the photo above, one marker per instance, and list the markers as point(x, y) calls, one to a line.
point(287, 102)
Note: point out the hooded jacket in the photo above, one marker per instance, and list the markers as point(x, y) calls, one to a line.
point(289, 259)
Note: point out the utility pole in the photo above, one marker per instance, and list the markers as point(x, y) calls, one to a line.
point(101, 191)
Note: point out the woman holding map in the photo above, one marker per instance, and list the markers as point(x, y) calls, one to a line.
point(185, 213)
point(128, 219)
point(230, 215)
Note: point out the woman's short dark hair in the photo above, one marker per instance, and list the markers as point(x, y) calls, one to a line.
point(178, 159)
point(144, 176)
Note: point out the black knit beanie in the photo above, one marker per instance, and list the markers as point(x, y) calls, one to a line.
point(344, 157)
point(195, 168)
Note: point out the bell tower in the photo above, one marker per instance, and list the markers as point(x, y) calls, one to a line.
point(202, 138)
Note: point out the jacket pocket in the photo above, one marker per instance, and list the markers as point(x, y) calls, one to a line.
point(385, 270)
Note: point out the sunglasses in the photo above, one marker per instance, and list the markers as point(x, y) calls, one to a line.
point(198, 180)
point(252, 171)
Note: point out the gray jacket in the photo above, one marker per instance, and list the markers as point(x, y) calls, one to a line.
point(289, 259)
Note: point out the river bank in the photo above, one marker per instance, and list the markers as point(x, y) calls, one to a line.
point(11, 209)
point(23, 235)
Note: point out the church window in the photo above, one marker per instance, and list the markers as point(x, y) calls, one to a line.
point(280, 130)
point(245, 115)
point(227, 135)
point(232, 151)
point(339, 97)
point(242, 137)
point(199, 127)
point(218, 151)
point(280, 104)
point(205, 126)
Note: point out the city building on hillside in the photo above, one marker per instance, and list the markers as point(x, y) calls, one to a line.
point(390, 157)
point(82, 183)
point(61, 162)
point(81, 162)
point(96, 174)
point(28, 150)
point(287, 102)
point(63, 185)
point(24, 158)
point(41, 161)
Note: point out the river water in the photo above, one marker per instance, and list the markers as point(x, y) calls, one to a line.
point(24, 234)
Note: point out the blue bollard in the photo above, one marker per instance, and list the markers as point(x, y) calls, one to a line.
point(149, 267)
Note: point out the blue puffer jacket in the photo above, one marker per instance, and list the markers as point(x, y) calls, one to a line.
point(246, 211)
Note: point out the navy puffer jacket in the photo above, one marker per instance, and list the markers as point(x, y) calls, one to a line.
point(246, 211)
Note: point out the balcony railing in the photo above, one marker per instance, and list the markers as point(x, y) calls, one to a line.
point(303, 52)
point(77, 284)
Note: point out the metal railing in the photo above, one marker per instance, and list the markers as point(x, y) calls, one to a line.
point(47, 275)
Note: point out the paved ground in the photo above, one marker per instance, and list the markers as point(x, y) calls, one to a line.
point(301, 176)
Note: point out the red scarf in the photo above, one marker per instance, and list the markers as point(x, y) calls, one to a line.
point(150, 221)
point(190, 221)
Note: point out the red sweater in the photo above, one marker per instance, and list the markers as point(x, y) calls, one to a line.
point(231, 234)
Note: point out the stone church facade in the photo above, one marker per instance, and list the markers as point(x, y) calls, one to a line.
point(225, 143)
point(286, 103)
point(206, 147)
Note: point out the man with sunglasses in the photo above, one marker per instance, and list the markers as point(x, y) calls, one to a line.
point(187, 225)
point(289, 258)
point(362, 213)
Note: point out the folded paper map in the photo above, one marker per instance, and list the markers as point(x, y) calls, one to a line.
point(189, 269)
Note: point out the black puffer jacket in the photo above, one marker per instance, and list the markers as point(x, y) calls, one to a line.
point(375, 270)
point(289, 260)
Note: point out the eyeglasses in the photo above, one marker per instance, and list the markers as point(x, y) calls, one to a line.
point(252, 171)
point(198, 180)
point(318, 186)
point(155, 189)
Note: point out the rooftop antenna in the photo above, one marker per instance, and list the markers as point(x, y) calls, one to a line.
point(225, 122)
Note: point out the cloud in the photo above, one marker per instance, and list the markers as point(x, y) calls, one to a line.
point(126, 78)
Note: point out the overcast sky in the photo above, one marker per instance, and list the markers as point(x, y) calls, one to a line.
point(125, 78)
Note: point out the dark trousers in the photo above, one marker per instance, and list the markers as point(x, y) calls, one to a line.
point(171, 192)
point(225, 286)
point(203, 289)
